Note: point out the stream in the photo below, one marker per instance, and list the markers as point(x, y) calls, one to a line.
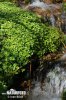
point(50, 83)
point(53, 84)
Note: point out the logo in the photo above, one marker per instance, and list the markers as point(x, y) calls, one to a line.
point(12, 93)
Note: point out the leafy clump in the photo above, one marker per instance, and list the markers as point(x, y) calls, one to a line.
point(64, 6)
point(22, 35)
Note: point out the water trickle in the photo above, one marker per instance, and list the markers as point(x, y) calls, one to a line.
point(46, 7)
point(53, 85)
point(38, 3)
point(63, 23)
point(57, 80)
point(36, 0)
point(52, 20)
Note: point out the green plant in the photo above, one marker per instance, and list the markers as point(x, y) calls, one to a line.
point(3, 88)
point(64, 6)
point(22, 35)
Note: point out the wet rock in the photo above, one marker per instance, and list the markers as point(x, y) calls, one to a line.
point(48, 1)
point(63, 57)
point(52, 56)
point(39, 11)
point(44, 9)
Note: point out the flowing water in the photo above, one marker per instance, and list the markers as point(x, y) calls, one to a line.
point(52, 20)
point(42, 5)
point(61, 24)
point(38, 3)
point(53, 85)
point(54, 82)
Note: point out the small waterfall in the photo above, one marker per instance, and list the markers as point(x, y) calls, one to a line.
point(57, 81)
point(52, 87)
point(63, 23)
point(35, 1)
point(45, 6)
point(52, 20)
point(38, 3)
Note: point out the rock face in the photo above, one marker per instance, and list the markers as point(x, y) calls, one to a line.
point(50, 9)
point(52, 1)
point(52, 12)
point(48, 1)
point(64, 0)
point(39, 11)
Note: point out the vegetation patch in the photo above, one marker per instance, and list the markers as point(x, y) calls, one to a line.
point(64, 6)
point(22, 35)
